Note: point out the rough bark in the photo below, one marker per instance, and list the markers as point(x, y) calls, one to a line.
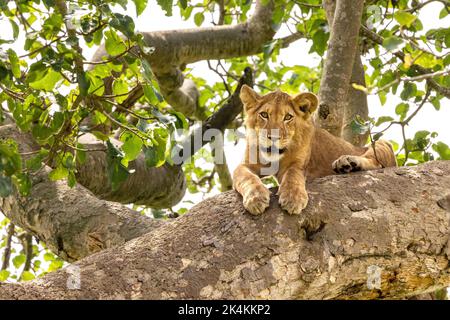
point(72, 222)
point(395, 219)
point(339, 62)
point(357, 100)
point(175, 49)
point(357, 105)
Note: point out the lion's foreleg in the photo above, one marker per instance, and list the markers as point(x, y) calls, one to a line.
point(379, 155)
point(256, 197)
point(292, 192)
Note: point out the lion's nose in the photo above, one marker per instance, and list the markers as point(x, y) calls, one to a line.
point(273, 135)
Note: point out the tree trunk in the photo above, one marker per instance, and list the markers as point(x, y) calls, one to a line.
point(356, 104)
point(376, 234)
point(339, 63)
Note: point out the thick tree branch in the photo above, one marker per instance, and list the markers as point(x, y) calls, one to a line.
point(339, 62)
point(377, 234)
point(357, 100)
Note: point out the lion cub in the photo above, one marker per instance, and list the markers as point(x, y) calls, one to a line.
point(282, 141)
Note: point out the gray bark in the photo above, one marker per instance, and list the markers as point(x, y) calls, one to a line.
point(357, 100)
point(339, 62)
point(357, 105)
point(394, 220)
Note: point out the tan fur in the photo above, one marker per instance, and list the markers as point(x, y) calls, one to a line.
point(307, 151)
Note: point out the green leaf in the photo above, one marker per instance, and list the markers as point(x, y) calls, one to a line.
point(377, 136)
point(18, 260)
point(166, 5)
point(183, 4)
point(10, 161)
point(114, 45)
point(442, 149)
point(49, 256)
point(5, 186)
point(151, 95)
point(100, 135)
point(181, 122)
point(120, 88)
point(123, 23)
point(15, 28)
point(148, 73)
point(58, 173)
point(27, 276)
point(392, 43)
point(383, 119)
point(443, 13)
point(199, 17)
point(402, 109)
point(55, 265)
point(42, 78)
point(140, 6)
point(268, 49)
point(71, 179)
point(409, 90)
point(117, 172)
point(132, 145)
point(436, 103)
point(154, 156)
point(14, 60)
point(404, 18)
point(4, 275)
point(83, 83)
point(320, 39)
point(23, 183)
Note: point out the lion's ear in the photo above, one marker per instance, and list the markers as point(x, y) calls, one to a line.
point(307, 102)
point(248, 97)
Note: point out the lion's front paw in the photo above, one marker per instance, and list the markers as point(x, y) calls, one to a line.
point(346, 164)
point(256, 200)
point(292, 200)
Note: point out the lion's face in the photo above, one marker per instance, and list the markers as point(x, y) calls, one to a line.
point(275, 118)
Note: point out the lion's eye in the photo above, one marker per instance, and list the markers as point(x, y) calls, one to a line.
point(288, 117)
point(264, 115)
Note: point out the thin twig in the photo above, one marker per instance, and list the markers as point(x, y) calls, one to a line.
point(7, 251)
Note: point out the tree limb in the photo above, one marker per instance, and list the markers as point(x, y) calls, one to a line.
point(379, 234)
point(357, 105)
point(339, 62)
